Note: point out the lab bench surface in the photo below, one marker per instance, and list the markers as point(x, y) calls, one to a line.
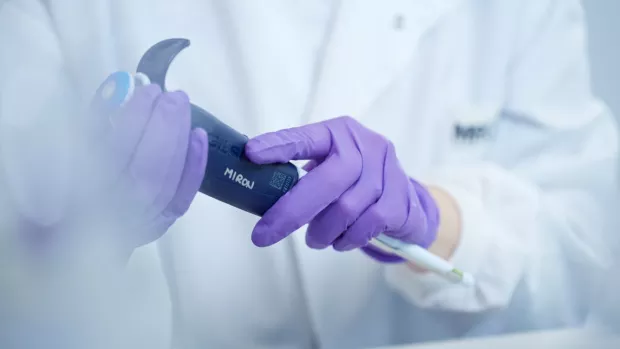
point(562, 339)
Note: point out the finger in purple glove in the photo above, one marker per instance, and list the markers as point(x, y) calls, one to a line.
point(355, 190)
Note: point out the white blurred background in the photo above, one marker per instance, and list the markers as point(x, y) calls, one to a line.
point(604, 30)
point(603, 18)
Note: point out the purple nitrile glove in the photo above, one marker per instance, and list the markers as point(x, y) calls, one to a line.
point(140, 167)
point(355, 190)
point(153, 164)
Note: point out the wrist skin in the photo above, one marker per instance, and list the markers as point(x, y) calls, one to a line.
point(449, 231)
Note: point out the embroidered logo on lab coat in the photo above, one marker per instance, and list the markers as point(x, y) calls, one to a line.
point(471, 133)
point(474, 125)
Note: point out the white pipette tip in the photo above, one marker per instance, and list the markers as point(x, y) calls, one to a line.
point(461, 277)
point(468, 280)
point(424, 259)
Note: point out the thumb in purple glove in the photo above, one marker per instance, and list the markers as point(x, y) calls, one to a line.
point(356, 189)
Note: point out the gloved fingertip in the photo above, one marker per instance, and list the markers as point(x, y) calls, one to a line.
point(344, 247)
point(259, 143)
point(262, 236)
point(313, 244)
point(381, 256)
point(200, 144)
point(151, 90)
point(179, 97)
point(259, 241)
point(175, 102)
point(310, 165)
point(257, 151)
point(200, 136)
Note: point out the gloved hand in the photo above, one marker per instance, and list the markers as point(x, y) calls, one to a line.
point(150, 166)
point(355, 190)
point(140, 167)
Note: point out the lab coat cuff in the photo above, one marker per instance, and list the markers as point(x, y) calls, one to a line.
point(430, 290)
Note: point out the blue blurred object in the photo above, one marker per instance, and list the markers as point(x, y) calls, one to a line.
point(116, 90)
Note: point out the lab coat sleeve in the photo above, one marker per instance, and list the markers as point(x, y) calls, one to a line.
point(533, 205)
point(99, 303)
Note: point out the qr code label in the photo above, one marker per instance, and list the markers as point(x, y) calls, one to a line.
point(278, 180)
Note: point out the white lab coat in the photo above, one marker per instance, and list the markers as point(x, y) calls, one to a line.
point(487, 99)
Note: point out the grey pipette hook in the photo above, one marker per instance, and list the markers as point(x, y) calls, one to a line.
point(157, 59)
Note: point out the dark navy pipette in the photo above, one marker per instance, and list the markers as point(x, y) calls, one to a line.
point(230, 176)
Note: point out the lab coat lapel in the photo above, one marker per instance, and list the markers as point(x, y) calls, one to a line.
point(371, 42)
